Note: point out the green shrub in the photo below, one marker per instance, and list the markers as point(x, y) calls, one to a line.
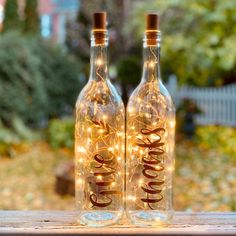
point(7, 136)
point(129, 73)
point(16, 137)
point(61, 133)
point(219, 138)
point(198, 39)
point(37, 80)
point(11, 16)
point(23, 132)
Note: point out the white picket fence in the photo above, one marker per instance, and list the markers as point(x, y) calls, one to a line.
point(218, 104)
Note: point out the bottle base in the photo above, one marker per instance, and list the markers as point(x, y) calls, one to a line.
point(150, 218)
point(99, 218)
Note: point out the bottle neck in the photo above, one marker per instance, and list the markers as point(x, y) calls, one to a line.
point(151, 60)
point(99, 58)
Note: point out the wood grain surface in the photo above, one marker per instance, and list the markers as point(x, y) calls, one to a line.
point(64, 223)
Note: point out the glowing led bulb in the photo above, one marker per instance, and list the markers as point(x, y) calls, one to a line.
point(99, 61)
point(172, 124)
point(170, 169)
point(130, 109)
point(79, 181)
point(101, 131)
point(123, 147)
point(139, 136)
point(129, 197)
point(151, 64)
point(81, 149)
point(104, 117)
point(99, 177)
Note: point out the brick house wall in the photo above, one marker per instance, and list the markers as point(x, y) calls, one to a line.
point(53, 17)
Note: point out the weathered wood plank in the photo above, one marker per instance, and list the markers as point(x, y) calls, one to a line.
point(64, 223)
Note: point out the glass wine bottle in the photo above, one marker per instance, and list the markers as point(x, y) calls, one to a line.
point(99, 140)
point(150, 139)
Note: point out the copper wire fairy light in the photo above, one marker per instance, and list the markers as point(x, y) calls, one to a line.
point(150, 139)
point(99, 138)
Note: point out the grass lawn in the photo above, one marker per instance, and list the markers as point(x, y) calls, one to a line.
point(204, 180)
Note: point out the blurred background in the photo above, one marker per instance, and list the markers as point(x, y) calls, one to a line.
point(44, 63)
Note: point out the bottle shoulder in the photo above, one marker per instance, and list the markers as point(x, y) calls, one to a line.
point(101, 92)
point(99, 99)
point(153, 93)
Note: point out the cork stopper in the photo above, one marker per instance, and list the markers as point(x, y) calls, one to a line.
point(152, 22)
point(99, 27)
point(99, 20)
point(152, 28)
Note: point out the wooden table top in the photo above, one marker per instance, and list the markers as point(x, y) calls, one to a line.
point(64, 223)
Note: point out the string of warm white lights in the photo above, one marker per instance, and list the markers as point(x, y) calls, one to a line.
point(100, 148)
point(149, 161)
point(100, 138)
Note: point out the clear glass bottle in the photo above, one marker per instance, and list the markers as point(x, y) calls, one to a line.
point(99, 140)
point(150, 140)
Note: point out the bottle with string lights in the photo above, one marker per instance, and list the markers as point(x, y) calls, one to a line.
point(99, 139)
point(150, 139)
